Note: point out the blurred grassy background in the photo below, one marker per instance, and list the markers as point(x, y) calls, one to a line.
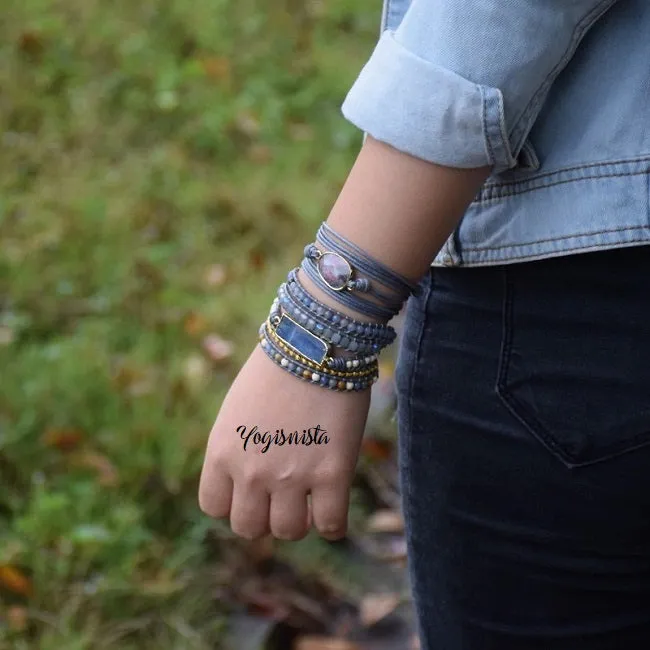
point(163, 163)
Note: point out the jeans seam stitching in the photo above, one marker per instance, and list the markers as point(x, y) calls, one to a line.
point(416, 361)
point(528, 420)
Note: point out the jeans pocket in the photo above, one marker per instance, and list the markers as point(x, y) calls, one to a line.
point(575, 368)
point(410, 335)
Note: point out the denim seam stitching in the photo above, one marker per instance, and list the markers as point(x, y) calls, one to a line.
point(478, 263)
point(521, 411)
point(568, 250)
point(385, 17)
point(502, 391)
point(486, 134)
point(502, 195)
point(511, 158)
point(575, 248)
point(561, 238)
point(620, 161)
point(647, 178)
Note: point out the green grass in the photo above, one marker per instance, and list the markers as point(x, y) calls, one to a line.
point(141, 143)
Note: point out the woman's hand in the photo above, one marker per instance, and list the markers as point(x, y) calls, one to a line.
point(263, 487)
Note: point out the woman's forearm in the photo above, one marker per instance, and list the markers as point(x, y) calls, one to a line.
point(399, 209)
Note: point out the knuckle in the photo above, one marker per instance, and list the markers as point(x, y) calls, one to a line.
point(328, 475)
point(252, 477)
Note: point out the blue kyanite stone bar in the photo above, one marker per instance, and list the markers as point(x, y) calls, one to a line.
point(301, 340)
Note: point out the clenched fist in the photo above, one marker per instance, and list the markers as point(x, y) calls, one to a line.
point(276, 440)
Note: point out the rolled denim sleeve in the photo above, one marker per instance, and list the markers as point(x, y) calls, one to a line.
point(461, 82)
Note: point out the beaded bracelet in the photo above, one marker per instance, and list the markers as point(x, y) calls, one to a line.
point(309, 345)
point(325, 331)
point(331, 332)
point(300, 370)
point(299, 329)
point(321, 380)
point(266, 329)
point(275, 316)
point(316, 375)
point(382, 334)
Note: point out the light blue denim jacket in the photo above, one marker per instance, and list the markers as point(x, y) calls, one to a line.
point(553, 94)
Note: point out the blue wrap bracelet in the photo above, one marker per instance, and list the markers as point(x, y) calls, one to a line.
point(337, 272)
point(345, 297)
point(361, 260)
point(379, 332)
point(353, 335)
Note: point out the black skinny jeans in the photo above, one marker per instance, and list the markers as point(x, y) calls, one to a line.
point(524, 431)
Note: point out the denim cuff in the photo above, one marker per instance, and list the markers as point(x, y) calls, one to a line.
point(428, 111)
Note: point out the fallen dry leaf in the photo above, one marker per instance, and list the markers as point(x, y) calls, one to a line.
point(216, 67)
point(107, 474)
point(261, 602)
point(195, 324)
point(17, 618)
point(247, 123)
point(31, 43)
point(386, 549)
point(301, 132)
point(262, 548)
point(260, 154)
point(145, 386)
point(215, 275)
point(6, 335)
point(376, 449)
point(15, 580)
point(386, 367)
point(374, 607)
point(196, 371)
point(135, 381)
point(257, 259)
point(385, 521)
point(324, 643)
point(217, 349)
point(63, 439)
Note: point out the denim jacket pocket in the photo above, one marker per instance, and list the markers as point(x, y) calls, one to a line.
point(572, 369)
point(527, 159)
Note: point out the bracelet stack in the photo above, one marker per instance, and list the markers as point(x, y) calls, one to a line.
point(302, 334)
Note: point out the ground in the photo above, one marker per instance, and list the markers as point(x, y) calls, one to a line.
point(163, 164)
